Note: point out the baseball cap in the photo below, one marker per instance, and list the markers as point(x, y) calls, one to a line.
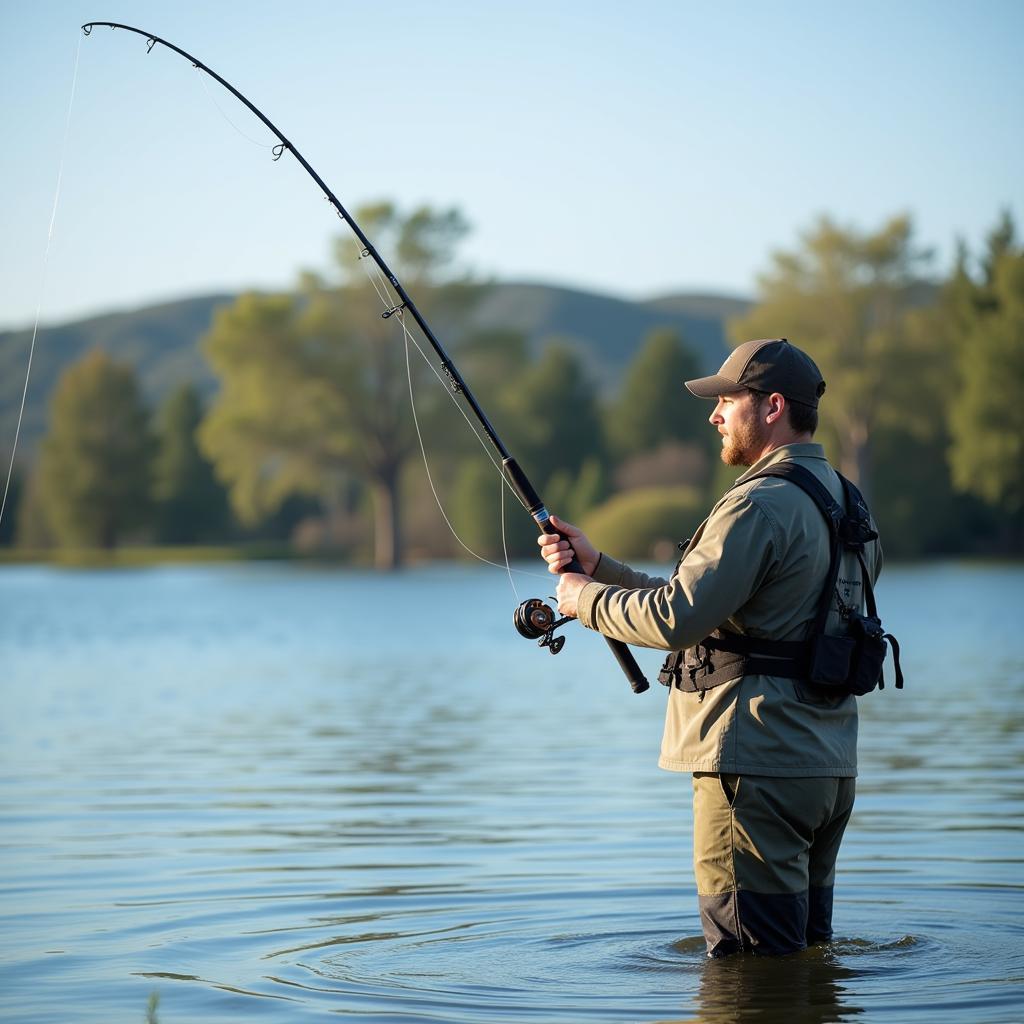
point(768, 364)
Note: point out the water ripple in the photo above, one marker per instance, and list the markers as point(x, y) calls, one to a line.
point(238, 788)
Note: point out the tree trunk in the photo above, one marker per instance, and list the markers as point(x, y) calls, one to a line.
point(387, 527)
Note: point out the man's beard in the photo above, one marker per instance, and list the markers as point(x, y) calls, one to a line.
point(745, 442)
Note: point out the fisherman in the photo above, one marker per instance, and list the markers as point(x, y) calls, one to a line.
point(773, 756)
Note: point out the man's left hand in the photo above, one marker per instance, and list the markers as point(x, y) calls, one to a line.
point(568, 591)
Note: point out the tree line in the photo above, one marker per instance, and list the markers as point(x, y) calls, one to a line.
point(314, 437)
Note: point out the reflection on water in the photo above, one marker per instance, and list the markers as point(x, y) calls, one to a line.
point(818, 989)
point(280, 792)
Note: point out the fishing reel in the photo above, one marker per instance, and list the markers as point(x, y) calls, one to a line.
point(536, 620)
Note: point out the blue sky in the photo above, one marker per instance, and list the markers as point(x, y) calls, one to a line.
point(630, 148)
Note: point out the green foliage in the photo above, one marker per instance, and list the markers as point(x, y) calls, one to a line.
point(256, 433)
point(987, 414)
point(32, 532)
point(918, 513)
point(475, 512)
point(162, 340)
point(645, 523)
point(572, 496)
point(550, 414)
point(191, 504)
point(96, 464)
point(653, 407)
point(419, 246)
point(315, 386)
point(312, 429)
point(843, 296)
point(491, 362)
point(9, 502)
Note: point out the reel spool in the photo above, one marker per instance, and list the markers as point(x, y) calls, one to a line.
point(536, 620)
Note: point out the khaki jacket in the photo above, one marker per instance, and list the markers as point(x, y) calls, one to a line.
point(756, 566)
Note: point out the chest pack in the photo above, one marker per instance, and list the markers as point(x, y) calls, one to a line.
point(850, 663)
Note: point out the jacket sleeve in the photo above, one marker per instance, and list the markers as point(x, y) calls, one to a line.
point(621, 575)
point(715, 579)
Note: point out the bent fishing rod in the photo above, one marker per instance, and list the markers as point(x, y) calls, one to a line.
point(533, 619)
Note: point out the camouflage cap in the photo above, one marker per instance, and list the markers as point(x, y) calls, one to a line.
point(768, 364)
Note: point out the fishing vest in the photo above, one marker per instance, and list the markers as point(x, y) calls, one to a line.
point(840, 665)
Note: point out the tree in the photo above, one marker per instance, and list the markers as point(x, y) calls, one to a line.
point(843, 296)
point(314, 386)
point(653, 407)
point(572, 496)
point(9, 502)
point(191, 504)
point(986, 415)
point(552, 416)
point(96, 462)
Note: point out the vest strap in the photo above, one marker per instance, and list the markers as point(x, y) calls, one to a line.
point(724, 656)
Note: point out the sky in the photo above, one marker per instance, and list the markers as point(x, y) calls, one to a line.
point(632, 149)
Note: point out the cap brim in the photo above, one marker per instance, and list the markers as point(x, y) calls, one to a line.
point(713, 386)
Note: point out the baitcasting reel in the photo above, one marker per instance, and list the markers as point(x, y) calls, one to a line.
point(536, 620)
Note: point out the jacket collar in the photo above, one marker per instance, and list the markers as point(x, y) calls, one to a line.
point(784, 453)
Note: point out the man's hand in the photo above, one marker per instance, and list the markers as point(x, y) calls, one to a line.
point(558, 552)
point(568, 591)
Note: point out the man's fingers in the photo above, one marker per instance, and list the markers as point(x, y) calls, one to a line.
point(556, 560)
point(554, 545)
point(562, 525)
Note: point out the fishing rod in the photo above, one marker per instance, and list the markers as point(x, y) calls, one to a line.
point(533, 618)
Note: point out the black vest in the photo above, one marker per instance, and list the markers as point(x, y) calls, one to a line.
point(839, 664)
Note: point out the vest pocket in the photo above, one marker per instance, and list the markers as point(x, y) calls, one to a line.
point(818, 696)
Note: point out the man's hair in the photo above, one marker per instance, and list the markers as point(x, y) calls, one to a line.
point(802, 418)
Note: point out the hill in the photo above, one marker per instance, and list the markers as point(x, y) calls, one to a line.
point(162, 341)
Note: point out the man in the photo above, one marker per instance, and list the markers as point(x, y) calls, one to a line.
point(773, 757)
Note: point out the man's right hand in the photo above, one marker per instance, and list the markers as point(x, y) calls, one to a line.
point(558, 553)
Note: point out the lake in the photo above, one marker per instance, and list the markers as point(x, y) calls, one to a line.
point(272, 792)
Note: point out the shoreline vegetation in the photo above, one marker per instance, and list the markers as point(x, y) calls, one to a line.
point(306, 445)
point(149, 555)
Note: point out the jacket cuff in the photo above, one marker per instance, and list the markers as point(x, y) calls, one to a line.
point(585, 602)
point(608, 570)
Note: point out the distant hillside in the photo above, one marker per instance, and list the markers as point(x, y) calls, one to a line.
point(606, 329)
point(162, 341)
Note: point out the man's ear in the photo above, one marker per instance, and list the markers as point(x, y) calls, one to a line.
point(776, 404)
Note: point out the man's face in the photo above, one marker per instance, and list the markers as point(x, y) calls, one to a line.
point(744, 433)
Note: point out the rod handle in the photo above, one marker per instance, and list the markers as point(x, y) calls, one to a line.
point(623, 655)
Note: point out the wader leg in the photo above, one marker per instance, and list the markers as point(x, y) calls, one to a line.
point(822, 864)
point(753, 839)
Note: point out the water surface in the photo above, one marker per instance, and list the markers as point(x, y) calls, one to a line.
point(272, 793)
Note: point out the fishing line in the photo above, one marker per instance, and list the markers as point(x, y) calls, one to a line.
point(386, 300)
point(42, 280)
point(380, 287)
point(430, 478)
point(528, 616)
point(503, 483)
point(224, 114)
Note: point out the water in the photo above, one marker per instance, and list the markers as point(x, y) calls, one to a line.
point(272, 793)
